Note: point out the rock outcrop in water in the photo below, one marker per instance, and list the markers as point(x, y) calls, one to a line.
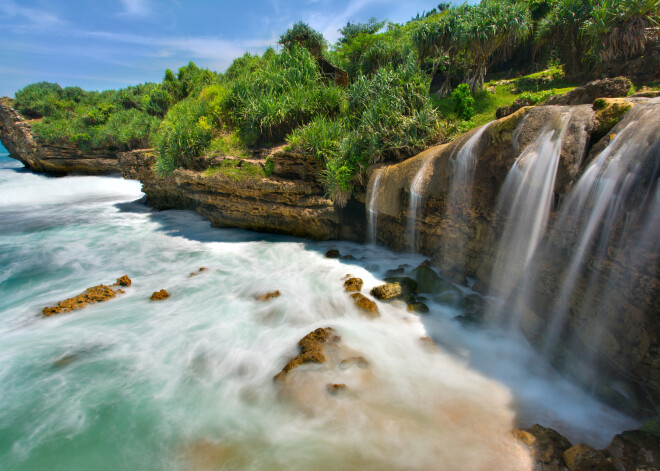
point(93, 295)
point(17, 136)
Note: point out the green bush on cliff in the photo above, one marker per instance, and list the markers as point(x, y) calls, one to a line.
point(38, 99)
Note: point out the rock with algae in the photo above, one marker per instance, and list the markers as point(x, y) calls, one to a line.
point(92, 295)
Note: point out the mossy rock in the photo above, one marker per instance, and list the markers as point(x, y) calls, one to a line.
point(428, 281)
point(502, 130)
point(418, 307)
point(408, 285)
point(609, 112)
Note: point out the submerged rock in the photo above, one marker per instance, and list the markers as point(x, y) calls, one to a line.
point(428, 281)
point(311, 349)
point(635, 449)
point(335, 389)
point(353, 285)
point(360, 362)
point(195, 273)
point(387, 291)
point(365, 305)
point(418, 307)
point(267, 296)
point(332, 253)
point(159, 295)
point(92, 295)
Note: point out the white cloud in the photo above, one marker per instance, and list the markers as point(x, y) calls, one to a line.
point(136, 8)
point(30, 17)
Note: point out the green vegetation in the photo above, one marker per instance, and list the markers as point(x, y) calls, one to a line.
point(409, 86)
point(238, 170)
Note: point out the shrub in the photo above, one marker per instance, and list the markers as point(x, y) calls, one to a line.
point(463, 102)
point(182, 135)
point(38, 99)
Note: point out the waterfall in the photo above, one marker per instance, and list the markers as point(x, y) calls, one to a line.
point(609, 225)
point(372, 206)
point(464, 164)
point(524, 205)
point(415, 205)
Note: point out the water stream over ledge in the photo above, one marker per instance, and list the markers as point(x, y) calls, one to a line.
point(186, 383)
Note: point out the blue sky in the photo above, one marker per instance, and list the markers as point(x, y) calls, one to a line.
point(101, 44)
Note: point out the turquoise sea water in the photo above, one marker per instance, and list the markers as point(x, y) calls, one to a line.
point(186, 383)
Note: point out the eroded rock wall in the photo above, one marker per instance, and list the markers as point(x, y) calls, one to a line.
point(17, 136)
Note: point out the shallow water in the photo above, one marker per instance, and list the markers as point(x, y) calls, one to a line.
point(186, 383)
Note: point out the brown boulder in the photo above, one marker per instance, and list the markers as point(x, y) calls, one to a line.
point(332, 253)
point(518, 103)
point(311, 349)
point(123, 281)
point(159, 295)
point(387, 291)
point(546, 446)
point(365, 305)
point(586, 94)
point(195, 273)
point(335, 389)
point(353, 285)
point(270, 295)
point(582, 457)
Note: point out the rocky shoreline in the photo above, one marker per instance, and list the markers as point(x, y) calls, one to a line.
point(292, 201)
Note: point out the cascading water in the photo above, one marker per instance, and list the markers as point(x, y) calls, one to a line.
point(372, 206)
point(460, 195)
point(608, 227)
point(415, 205)
point(524, 205)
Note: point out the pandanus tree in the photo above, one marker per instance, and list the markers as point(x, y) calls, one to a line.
point(620, 28)
point(487, 27)
point(304, 35)
point(436, 38)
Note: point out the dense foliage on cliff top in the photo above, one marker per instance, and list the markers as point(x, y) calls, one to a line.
point(384, 112)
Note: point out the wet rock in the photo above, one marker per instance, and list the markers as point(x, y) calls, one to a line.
point(269, 295)
point(448, 297)
point(365, 305)
point(332, 253)
point(353, 285)
point(159, 295)
point(480, 287)
point(408, 285)
point(348, 257)
point(360, 362)
point(428, 281)
point(336, 389)
point(635, 449)
point(582, 457)
point(123, 281)
point(92, 295)
point(311, 349)
point(609, 112)
point(586, 94)
point(195, 273)
point(394, 272)
point(455, 276)
point(470, 319)
point(418, 307)
point(546, 446)
point(65, 360)
point(387, 291)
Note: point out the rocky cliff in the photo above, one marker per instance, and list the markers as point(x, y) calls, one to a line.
point(290, 201)
point(17, 136)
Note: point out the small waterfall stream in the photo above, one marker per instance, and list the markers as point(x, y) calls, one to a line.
point(460, 194)
point(415, 205)
point(524, 204)
point(372, 206)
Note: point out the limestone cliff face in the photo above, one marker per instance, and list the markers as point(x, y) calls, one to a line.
point(290, 201)
point(16, 135)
